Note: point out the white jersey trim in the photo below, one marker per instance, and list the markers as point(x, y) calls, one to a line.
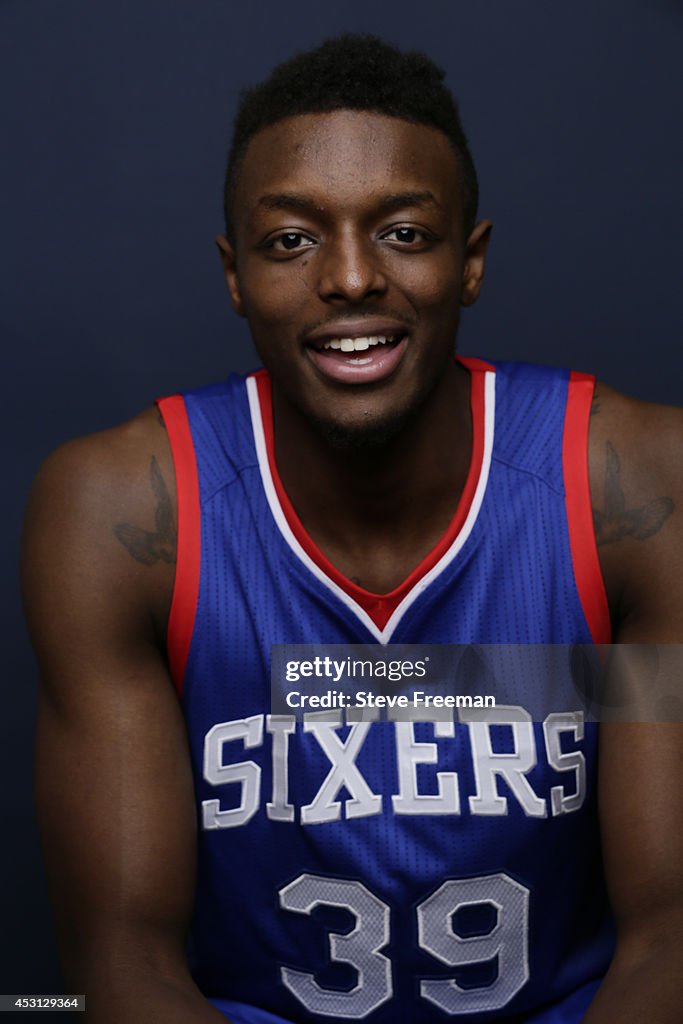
point(383, 636)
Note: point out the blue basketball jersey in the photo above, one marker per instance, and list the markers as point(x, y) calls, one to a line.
point(390, 871)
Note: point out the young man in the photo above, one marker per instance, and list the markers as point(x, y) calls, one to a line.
point(364, 487)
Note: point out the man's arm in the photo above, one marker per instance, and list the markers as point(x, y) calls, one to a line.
point(113, 778)
point(636, 460)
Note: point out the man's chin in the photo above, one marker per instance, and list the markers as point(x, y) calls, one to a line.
point(370, 425)
point(363, 436)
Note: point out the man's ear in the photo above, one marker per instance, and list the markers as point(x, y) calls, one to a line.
point(227, 255)
point(475, 258)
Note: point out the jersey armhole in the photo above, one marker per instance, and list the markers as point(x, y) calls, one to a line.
point(186, 586)
point(587, 572)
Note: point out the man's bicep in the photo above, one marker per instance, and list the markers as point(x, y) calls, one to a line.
point(641, 816)
point(113, 777)
point(642, 824)
point(115, 806)
point(635, 458)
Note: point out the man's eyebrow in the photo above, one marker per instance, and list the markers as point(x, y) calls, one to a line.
point(288, 201)
point(397, 199)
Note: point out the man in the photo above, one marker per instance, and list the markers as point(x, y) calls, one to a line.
point(364, 487)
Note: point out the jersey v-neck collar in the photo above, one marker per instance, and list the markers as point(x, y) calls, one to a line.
point(380, 613)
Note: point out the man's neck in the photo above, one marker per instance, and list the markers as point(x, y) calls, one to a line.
point(376, 512)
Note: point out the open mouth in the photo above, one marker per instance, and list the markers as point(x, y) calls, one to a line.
point(358, 351)
point(360, 360)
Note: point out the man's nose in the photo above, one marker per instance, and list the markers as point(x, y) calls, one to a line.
point(350, 270)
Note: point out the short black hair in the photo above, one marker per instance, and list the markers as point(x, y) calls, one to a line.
point(353, 72)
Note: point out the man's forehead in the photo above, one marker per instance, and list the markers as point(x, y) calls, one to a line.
point(344, 149)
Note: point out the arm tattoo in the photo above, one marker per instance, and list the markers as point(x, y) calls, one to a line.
point(158, 545)
point(616, 521)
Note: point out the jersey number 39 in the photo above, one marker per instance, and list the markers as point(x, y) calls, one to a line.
point(362, 947)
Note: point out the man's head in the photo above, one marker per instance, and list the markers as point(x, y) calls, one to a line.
point(351, 245)
point(353, 72)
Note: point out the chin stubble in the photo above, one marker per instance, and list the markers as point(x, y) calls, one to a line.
point(366, 436)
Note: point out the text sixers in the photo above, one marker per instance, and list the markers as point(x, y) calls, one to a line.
point(327, 753)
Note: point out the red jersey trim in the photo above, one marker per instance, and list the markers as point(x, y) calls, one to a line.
point(475, 365)
point(186, 586)
point(587, 571)
point(380, 607)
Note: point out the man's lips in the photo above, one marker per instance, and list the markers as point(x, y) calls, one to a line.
point(360, 351)
point(366, 365)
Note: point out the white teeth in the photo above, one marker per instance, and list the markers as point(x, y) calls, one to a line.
point(356, 344)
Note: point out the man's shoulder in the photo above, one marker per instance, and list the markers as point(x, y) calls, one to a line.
point(102, 507)
point(111, 465)
point(635, 459)
point(645, 439)
point(121, 481)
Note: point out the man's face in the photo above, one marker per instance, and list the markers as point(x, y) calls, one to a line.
point(350, 264)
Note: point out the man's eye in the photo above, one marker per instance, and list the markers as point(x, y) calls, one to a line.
point(291, 240)
point(405, 235)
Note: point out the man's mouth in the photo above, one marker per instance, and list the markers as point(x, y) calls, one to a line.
point(360, 360)
point(349, 346)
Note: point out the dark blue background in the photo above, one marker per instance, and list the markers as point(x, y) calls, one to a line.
point(114, 124)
